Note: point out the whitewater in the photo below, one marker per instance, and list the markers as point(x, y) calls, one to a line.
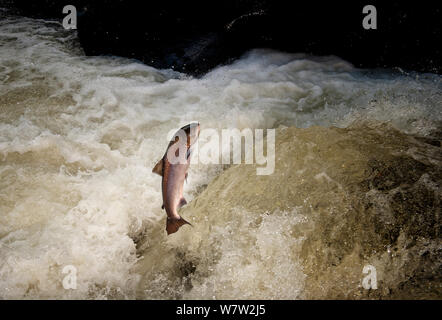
point(79, 136)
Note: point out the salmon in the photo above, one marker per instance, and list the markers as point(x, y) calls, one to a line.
point(173, 169)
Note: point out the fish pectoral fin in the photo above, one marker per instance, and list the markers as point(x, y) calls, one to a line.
point(185, 177)
point(158, 169)
point(182, 203)
point(173, 224)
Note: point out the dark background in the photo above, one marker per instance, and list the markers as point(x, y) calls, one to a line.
point(191, 36)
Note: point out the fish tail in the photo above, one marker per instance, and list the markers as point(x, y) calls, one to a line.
point(173, 224)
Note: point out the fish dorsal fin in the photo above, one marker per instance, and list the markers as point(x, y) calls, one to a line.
point(158, 169)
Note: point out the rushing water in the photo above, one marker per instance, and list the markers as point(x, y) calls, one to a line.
point(79, 137)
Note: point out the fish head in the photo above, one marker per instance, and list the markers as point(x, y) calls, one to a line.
point(192, 131)
point(181, 146)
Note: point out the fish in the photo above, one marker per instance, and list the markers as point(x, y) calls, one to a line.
point(173, 168)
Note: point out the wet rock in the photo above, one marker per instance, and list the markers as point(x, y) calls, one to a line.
point(401, 170)
point(196, 36)
point(370, 195)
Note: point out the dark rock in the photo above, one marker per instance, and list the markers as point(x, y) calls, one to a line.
point(417, 210)
point(401, 170)
point(196, 36)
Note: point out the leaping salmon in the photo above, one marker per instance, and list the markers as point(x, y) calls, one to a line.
point(173, 168)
